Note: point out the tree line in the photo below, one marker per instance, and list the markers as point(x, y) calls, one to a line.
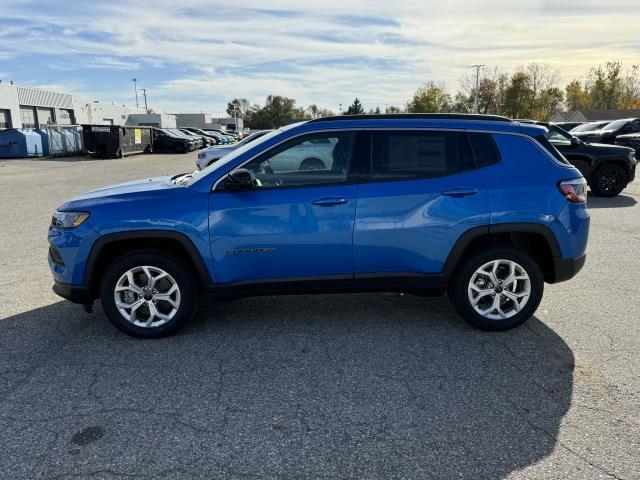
point(531, 91)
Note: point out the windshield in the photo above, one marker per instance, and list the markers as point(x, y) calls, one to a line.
point(233, 154)
point(616, 125)
point(587, 127)
point(169, 132)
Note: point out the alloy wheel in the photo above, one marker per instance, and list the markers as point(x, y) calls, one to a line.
point(499, 289)
point(147, 296)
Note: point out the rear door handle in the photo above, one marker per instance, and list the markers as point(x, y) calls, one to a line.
point(459, 192)
point(329, 201)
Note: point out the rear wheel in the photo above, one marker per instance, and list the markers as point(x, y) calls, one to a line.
point(609, 180)
point(497, 289)
point(148, 295)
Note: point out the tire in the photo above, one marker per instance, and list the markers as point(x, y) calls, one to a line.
point(312, 163)
point(460, 291)
point(179, 148)
point(609, 180)
point(156, 263)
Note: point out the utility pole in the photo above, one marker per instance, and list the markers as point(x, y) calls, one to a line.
point(340, 106)
point(144, 94)
point(475, 103)
point(135, 87)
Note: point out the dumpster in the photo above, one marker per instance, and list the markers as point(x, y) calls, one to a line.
point(113, 141)
point(62, 140)
point(45, 141)
point(16, 143)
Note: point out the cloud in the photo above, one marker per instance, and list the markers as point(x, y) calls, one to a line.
point(203, 53)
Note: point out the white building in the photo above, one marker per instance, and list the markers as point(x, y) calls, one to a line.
point(97, 113)
point(205, 120)
point(26, 107)
point(160, 120)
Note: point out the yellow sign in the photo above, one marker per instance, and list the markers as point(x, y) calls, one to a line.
point(137, 136)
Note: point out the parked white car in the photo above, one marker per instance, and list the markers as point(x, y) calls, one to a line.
point(212, 154)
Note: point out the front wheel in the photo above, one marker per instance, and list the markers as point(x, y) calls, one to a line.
point(497, 289)
point(147, 294)
point(608, 180)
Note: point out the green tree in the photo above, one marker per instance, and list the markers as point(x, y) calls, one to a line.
point(392, 109)
point(431, 97)
point(519, 98)
point(355, 108)
point(237, 107)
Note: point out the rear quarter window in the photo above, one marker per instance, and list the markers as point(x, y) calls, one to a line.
point(546, 144)
point(485, 149)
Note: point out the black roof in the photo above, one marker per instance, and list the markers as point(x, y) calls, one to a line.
point(414, 116)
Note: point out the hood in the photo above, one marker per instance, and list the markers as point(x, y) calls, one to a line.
point(629, 136)
point(115, 193)
point(612, 149)
point(219, 149)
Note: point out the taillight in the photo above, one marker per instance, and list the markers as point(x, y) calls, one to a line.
point(574, 190)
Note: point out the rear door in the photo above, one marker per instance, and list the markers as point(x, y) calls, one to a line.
point(422, 194)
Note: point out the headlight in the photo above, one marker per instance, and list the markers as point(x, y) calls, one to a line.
point(632, 157)
point(68, 219)
point(201, 155)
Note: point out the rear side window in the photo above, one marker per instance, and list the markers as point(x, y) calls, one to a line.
point(551, 149)
point(484, 148)
point(402, 155)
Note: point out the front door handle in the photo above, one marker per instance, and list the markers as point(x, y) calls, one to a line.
point(329, 201)
point(459, 192)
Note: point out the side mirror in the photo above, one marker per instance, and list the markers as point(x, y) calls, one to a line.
point(240, 179)
point(575, 141)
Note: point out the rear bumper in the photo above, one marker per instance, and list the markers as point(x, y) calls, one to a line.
point(73, 293)
point(565, 269)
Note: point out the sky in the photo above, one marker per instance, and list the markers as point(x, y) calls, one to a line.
point(195, 56)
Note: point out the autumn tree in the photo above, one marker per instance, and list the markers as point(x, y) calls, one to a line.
point(576, 98)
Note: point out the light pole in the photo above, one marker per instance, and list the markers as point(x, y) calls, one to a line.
point(340, 107)
point(144, 94)
point(135, 87)
point(475, 103)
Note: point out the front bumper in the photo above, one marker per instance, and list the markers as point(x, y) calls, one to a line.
point(565, 269)
point(73, 293)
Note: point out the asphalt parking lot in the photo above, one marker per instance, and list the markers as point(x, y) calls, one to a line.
point(347, 386)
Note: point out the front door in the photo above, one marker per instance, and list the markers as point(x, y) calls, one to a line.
point(423, 193)
point(297, 223)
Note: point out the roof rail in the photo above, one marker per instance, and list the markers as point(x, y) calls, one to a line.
point(416, 116)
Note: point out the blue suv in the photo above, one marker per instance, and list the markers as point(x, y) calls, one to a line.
point(481, 207)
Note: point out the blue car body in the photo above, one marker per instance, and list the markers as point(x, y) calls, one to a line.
point(354, 233)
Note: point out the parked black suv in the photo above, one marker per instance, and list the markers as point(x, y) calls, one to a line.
point(164, 140)
point(607, 168)
point(631, 140)
point(611, 131)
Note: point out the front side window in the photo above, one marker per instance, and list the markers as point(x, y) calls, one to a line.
point(313, 159)
point(403, 155)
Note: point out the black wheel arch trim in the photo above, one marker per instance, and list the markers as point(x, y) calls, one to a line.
point(184, 240)
point(470, 235)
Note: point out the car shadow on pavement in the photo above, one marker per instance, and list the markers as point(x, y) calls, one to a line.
point(619, 201)
point(366, 386)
